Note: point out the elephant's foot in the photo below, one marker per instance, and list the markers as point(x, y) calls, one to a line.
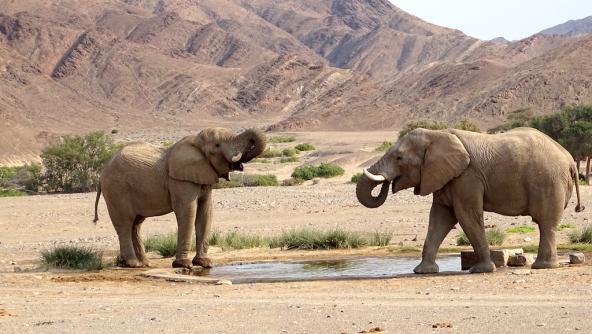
point(483, 267)
point(133, 263)
point(545, 264)
point(426, 268)
point(204, 262)
point(182, 263)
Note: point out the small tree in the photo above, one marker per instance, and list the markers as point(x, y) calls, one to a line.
point(74, 164)
point(467, 125)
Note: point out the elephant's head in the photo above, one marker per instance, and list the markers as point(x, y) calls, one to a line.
point(424, 159)
point(213, 153)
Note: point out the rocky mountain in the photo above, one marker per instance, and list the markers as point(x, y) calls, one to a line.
point(571, 28)
point(148, 67)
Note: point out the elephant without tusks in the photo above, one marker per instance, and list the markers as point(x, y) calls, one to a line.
point(517, 173)
point(142, 180)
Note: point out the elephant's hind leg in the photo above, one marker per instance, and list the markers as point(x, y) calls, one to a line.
point(137, 241)
point(547, 254)
point(123, 226)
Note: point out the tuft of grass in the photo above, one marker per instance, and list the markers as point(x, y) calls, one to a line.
point(248, 180)
point(281, 139)
point(565, 225)
point(73, 257)
point(292, 182)
point(520, 229)
point(290, 152)
point(317, 239)
point(289, 159)
point(384, 146)
point(271, 153)
point(236, 240)
point(355, 177)
point(494, 236)
point(167, 143)
point(325, 170)
point(305, 147)
point(580, 247)
point(164, 244)
point(530, 248)
point(380, 239)
point(10, 192)
point(582, 236)
point(262, 160)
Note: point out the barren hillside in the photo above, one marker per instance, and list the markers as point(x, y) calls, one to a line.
point(168, 66)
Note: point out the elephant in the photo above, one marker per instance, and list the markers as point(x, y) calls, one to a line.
point(142, 180)
point(521, 172)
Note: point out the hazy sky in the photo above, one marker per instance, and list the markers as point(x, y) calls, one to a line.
point(487, 19)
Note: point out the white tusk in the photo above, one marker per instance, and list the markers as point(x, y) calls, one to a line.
point(237, 157)
point(377, 178)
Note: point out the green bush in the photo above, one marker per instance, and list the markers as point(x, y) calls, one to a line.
point(281, 139)
point(494, 236)
point(425, 124)
point(290, 152)
point(248, 180)
point(27, 177)
point(384, 146)
point(520, 229)
point(467, 125)
point(289, 159)
point(317, 239)
point(325, 170)
point(380, 239)
point(305, 147)
point(73, 257)
point(164, 244)
point(582, 236)
point(74, 164)
point(10, 192)
point(355, 177)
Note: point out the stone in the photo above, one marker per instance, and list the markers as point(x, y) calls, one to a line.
point(577, 258)
point(498, 256)
point(224, 282)
point(520, 260)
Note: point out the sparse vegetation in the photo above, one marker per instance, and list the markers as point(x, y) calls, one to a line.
point(317, 239)
point(276, 153)
point(290, 152)
point(281, 139)
point(74, 164)
point(565, 225)
point(10, 192)
point(384, 146)
point(425, 124)
point(168, 143)
point(164, 244)
point(236, 240)
point(582, 236)
point(262, 160)
point(380, 239)
point(325, 170)
point(355, 177)
point(292, 182)
point(520, 229)
point(305, 147)
point(73, 257)
point(494, 236)
point(467, 125)
point(248, 180)
point(289, 160)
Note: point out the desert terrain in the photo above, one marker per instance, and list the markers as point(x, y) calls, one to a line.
point(40, 300)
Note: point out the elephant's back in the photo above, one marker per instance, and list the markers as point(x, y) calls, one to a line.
point(135, 159)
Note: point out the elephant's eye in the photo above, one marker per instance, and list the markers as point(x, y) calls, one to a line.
point(399, 158)
point(217, 144)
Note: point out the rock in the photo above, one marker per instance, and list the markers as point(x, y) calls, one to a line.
point(577, 258)
point(498, 256)
point(520, 260)
point(17, 269)
point(224, 282)
point(527, 239)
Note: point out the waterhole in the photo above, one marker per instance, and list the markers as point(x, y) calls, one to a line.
point(352, 268)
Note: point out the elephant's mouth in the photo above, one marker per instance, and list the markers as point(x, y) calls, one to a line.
point(237, 166)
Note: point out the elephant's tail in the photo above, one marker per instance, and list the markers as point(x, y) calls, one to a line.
point(97, 203)
point(576, 175)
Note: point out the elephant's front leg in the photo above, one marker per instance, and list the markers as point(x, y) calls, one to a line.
point(442, 220)
point(184, 202)
point(203, 224)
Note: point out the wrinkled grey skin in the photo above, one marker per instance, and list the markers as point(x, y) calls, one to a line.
point(142, 180)
point(521, 172)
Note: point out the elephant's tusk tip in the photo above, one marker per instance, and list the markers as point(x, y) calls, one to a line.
point(376, 178)
point(237, 157)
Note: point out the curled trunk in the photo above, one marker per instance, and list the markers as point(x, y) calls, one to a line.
point(364, 192)
point(250, 143)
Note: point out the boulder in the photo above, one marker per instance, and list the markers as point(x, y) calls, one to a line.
point(520, 260)
point(498, 256)
point(577, 258)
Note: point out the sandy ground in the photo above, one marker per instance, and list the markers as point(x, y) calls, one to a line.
point(121, 300)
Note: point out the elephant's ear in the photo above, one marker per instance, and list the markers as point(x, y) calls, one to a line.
point(445, 158)
point(186, 162)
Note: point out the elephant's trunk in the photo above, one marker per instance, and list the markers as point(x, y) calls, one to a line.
point(364, 192)
point(250, 143)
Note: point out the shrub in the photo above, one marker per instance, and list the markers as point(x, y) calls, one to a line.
point(289, 159)
point(520, 229)
point(292, 182)
point(10, 192)
point(27, 177)
point(271, 153)
point(494, 236)
point(305, 147)
point(236, 240)
point(467, 125)
point(74, 164)
point(73, 257)
point(582, 236)
point(355, 177)
point(290, 152)
point(316, 239)
point(325, 170)
point(384, 146)
point(380, 238)
point(281, 139)
point(248, 180)
point(164, 244)
point(425, 124)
